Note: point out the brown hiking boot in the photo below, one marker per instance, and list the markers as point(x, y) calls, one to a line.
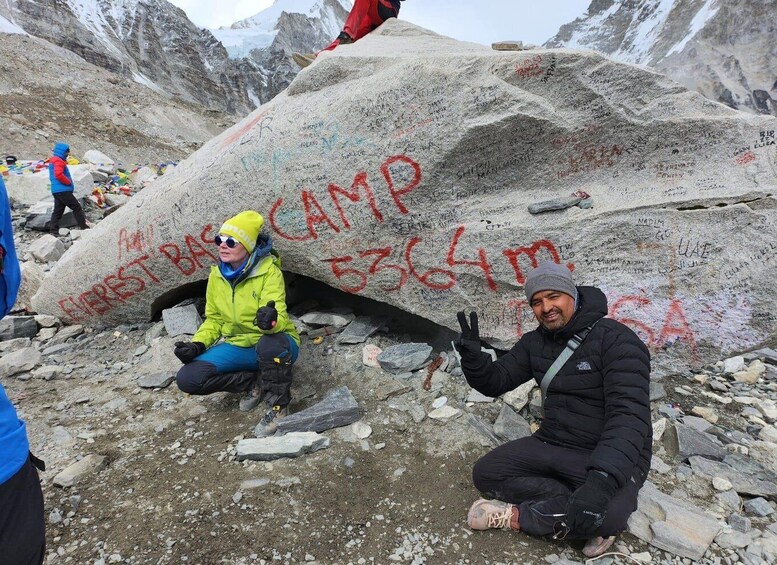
point(303, 59)
point(251, 398)
point(486, 514)
point(597, 546)
point(269, 423)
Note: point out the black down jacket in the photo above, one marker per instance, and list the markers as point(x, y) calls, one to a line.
point(599, 401)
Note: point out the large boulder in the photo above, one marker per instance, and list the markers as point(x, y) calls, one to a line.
point(27, 189)
point(402, 167)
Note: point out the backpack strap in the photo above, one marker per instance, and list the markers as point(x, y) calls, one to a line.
point(572, 345)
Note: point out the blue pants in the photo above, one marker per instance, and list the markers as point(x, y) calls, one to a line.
point(230, 368)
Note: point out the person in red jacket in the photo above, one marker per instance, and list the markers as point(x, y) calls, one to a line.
point(62, 189)
point(365, 16)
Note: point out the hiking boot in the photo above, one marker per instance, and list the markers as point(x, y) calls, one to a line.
point(269, 423)
point(486, 514)
point(344, 38)
point(597, 546)
point(251, 398)
point(303, 59)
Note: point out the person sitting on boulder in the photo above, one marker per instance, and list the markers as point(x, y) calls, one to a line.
point(579, 475)
point(246, 329)
point(62, 189)
point(365, 16)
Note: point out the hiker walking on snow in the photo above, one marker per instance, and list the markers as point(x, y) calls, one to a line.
point(62, 189)
point(579, 475)
point(365, 16)
point(247, 343)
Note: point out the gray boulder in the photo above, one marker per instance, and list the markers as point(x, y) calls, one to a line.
point(337, 408)
point(672, 524)
point(415, 193)
point(404, 357)
point(181, 320)
point(12, 327)
point(47, 248)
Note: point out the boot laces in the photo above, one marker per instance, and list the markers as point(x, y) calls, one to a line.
point(500, 520)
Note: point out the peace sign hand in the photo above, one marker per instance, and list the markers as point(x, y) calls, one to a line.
point(468, 344)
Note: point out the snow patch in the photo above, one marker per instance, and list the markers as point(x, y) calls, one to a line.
point(145, 81)
point(259, 31)
point(644, 35)
point(697, 23)
point(579, 39)
point(9, 27)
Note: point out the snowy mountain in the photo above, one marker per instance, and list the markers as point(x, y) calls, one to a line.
point(725, 49)
point(155, 44)
point(260, 30)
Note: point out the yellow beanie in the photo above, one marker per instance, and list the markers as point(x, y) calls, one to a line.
point(244, 227)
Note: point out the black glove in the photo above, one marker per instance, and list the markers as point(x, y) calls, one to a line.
point(186, 352)
point(267, 316)
point(588, 504)
point(468, 344)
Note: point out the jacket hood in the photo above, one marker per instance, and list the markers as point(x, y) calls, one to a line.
point(592, 306)
point(60, 149)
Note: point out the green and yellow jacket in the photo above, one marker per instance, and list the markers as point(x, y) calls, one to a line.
point(231, 306)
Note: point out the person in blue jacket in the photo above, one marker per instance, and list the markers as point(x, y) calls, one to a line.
point(22, 528)
point(62, 189)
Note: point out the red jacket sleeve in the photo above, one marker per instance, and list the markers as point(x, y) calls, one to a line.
point(59, 172)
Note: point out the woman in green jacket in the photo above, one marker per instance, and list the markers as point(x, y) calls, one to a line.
point(247, 329)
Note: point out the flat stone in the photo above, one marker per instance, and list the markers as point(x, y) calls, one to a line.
point(181, 320)
point(510, 425)
point(47, 248)
point(734, 365)
point(334, 318)
point(45, 334)
point(759, 507)
point(704, 412)
point(404, 357)
point(750, 376)
point(14, 344)
point(254, 483)
point(361, 430)
point(293, 444)
point(19, 361)
point(697, 423)
point(337, 408)
point(59, 348)
point(554, 204)
point(733, 540)
point(519, 397)
point(671, 412)
point(721, 484)
point(156, 380)
point(475, 396)
point(370, 354)
point(766, 407)
point(78, 471)
point(659, 428)
point(14, 327)
point(390, 388)
point(507, 46)
point(657, 464)
point(47, 372)
point(672, 524)
point(46, 321)
point(155, 331)
point(767, 354)
point(66, 333)
point(439, 402)
point(683, 441)
point(747, 476)
point(657, 391)
point(740, 523)
point(729, 500)
point(444, 413)
point(361, 328)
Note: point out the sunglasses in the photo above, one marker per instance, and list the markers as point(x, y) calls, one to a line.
point(230, 241)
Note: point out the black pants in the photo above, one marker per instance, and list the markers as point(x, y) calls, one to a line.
point(202, 377)
point(540, 478)
point(22, 527)
point(64, 200)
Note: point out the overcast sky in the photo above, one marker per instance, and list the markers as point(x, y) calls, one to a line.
point(482, 21)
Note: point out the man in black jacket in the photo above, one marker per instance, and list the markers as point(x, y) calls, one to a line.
point(579, 475)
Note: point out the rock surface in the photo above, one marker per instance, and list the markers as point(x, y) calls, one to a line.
point(338, 408)
point(292, 444)
point(353, 192)
point(79, 470)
